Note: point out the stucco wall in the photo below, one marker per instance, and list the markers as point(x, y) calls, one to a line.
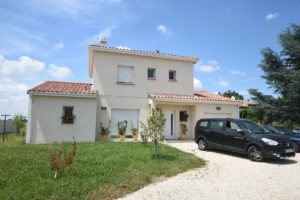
point(105, 75)
point(202, 109)
point(45, 125)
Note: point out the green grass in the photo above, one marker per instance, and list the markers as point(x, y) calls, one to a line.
point(105, 170)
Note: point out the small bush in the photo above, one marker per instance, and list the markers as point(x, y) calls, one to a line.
point(61, 161)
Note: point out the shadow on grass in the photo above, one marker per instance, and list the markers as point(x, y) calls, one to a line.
point(162, 156)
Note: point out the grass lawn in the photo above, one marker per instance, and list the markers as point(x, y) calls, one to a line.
point(103, 170)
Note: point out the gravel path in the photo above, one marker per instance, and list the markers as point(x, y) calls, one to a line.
point(228, 176)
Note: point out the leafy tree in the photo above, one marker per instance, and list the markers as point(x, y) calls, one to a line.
point(19, 123)
point(282, 73)
point(231, 93)
point(154, 127)
point(267, 109)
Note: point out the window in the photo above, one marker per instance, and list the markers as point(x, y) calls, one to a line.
point(216, 124)
point(125, 74)
point(183, 116)
point(151, 73)
point(172, 75)
point(68, 117)
point(232, 126)
point(204, 124)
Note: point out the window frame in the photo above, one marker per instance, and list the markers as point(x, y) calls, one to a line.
point(154, 74)
point(183, 116)
point(67, 119)
point(174, 75)
point(132, 75)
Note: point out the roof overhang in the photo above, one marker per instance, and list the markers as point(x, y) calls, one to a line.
point(93, 48)
point(193, 102)
point(61, 94)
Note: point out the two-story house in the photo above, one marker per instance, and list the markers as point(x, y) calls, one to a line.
point(126, 84)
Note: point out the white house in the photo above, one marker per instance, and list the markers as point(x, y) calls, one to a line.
point(126, 84)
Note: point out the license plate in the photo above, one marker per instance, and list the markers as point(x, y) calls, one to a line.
point(289, 150)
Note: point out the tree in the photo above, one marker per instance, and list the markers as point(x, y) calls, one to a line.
point(154, 127)
point(19, 123)
point(232, 93)
point(282, 73)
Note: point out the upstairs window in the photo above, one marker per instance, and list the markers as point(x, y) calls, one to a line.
point(68, 117)
point(172, 75)
point(125, 75)
point(151, 73)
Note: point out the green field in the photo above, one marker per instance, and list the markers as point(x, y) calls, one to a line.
point(103, 170)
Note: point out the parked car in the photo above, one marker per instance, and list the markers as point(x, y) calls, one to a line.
point(286, 132)
point(242, 136)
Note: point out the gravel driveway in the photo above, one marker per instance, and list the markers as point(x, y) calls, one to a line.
point(228, 176)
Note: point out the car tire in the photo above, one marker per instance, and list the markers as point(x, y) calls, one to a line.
point(255, 153)
point(202, 144)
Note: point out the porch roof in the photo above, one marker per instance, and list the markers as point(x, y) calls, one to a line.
point(198, 97)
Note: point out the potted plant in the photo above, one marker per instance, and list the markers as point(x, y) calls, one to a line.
point(104, 132)
point(134, 131)
point(183, 131)
point(122, 126)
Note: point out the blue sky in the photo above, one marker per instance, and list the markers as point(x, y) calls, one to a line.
point(47, 40)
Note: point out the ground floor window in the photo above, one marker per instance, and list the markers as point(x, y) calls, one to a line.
point(68, 117)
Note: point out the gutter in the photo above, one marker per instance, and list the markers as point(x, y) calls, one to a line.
point(56, 94)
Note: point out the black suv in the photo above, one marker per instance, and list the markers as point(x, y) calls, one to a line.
point(242, 136)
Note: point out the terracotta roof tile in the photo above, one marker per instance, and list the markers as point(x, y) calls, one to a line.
point(198, 96)
point(64, 87)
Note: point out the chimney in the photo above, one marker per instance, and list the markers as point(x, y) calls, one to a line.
point(103, 42)
point(233, 98)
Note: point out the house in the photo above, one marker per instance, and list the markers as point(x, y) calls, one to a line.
point(126, 84)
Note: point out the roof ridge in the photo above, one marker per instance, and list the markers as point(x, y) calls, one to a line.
point(145, 51)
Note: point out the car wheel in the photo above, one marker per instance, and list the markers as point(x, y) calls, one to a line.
point(202, 144)
point(255, 153)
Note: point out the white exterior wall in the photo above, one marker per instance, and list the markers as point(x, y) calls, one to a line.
point(45, 125)
point(120, 96)
point(202, 109)
point(105, 75)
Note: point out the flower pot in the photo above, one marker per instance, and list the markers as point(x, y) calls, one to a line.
point(122, 137)
point(135, 137)
point(183, 136)
point(104, 137)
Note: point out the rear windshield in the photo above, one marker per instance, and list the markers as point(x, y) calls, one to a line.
point(253, 127)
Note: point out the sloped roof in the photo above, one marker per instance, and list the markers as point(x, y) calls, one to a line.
point(59, 87)
point(198, 96)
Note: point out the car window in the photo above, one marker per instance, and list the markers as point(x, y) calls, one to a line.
point(216, 124)
point(232, 126)
point(203, 124)
point(252, 127)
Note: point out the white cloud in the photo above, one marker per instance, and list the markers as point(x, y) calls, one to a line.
point(197, 84)
point(106, 33)
point(271, 16)
point(162, 29)
point(58, 46)
point(24, 66)
point(123, 47)
point(222, 83)
point(237, 72)
point(209, 67)
point(59, 71)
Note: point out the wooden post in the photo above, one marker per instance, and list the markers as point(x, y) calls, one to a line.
point(4, 128)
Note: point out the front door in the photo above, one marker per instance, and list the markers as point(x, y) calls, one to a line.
point(169, 131)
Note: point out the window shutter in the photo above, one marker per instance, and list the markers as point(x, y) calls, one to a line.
point(125, 74)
